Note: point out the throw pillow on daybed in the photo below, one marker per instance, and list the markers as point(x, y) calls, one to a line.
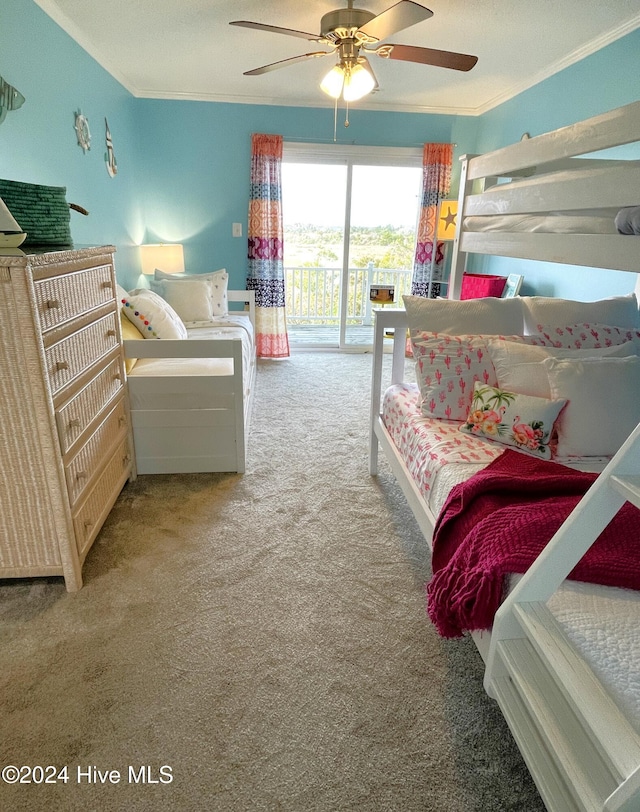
point(152, 315)
point(198, 298)
point(512, 419)
point(603, 403)
point(519, 366)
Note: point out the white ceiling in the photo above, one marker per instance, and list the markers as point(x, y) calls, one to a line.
point(186, 49)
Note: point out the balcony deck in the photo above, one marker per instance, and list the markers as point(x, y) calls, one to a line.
point(316, 336)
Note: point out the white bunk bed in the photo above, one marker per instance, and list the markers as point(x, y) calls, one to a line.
point(191, 399)
point(562, 657)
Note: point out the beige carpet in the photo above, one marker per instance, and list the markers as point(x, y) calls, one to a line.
point(264, 636)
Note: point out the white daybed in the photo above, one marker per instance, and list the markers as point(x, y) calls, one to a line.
point(191, 399)
point(563, 657)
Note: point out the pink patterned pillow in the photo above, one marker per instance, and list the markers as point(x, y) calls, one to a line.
point(448, 366)
point(586, 335)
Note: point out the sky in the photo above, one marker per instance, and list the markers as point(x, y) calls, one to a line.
point(380, 195)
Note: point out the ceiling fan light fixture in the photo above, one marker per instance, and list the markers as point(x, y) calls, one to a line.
point(333, 82)
point(351, 81)
point(358, 82)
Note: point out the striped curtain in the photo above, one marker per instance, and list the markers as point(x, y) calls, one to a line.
point(436, 182)
point(266, 272)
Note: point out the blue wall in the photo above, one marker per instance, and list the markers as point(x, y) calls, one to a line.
point(38, 142)
point(195, 159)
point(183, 167)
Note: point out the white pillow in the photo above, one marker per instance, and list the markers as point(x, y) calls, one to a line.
point(519, 366)
point(513, 419)
point(545, 310)
point(153, 317)
point(217, 292)
point(190, 299)
point(488, 316)
point(604, 403)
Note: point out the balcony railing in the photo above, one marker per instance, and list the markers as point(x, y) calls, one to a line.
point(313, 294)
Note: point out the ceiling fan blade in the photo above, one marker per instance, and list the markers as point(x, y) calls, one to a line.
point(428, 56)
point(277, 30)
point(284, 62)
point(394, 19)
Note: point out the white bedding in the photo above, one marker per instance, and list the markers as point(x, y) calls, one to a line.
point(542, 223)
point(604, 625)
point(234, 326)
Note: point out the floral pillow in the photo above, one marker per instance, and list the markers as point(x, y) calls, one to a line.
point(522, 421)
point(448, 366)
point(587, 335)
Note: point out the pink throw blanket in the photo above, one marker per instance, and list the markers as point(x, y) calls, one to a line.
point(498, 522)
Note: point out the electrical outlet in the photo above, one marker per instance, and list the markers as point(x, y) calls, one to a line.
point(236, 229)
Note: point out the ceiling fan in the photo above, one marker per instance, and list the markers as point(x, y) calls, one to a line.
point(353, 33)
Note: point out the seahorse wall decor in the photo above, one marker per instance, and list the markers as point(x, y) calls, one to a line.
point(10, 99)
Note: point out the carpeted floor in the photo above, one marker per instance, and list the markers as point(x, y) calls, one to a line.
point(263, 637)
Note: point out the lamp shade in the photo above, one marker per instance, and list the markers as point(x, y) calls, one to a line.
point(167, 257)
point(447, 220)
point(358, 82)
point(333, 82)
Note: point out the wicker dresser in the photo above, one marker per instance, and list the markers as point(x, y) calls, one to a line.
point(65, 440)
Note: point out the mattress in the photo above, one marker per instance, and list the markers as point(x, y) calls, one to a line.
point(235, 326)
point(439, 456)
point(192, 372)
point(436, 453)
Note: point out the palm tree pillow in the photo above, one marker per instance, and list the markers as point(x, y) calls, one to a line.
point(522, 421)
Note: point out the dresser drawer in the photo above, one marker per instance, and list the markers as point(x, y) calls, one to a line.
point(80, 469)
point(66, 359)
point(62, 298)
point(89, 517)
point(74, 417)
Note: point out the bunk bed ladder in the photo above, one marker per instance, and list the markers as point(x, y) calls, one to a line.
point(583, 754)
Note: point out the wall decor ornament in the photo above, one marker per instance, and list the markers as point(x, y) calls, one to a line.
point(10, 99)
point(82, 131)
point(109, 156)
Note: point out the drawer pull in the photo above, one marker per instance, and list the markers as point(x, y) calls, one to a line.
point(60, 365)
point(81, 475)
point(88, 524)
point(111, 333)
point(105, 285)
point(117, 377)
point(126, 459)
point(74, 423)
point(122, 420)
point(52, 304)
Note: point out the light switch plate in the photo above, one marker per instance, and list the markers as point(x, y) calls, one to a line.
point(236, 229)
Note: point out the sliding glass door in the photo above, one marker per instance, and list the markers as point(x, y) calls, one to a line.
point(349, 225)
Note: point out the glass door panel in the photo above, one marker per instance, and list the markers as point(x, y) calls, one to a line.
point(313, 210)
point(382, 226)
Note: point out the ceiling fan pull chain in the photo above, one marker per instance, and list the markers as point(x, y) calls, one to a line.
point(346, 117)
point(335, 120)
